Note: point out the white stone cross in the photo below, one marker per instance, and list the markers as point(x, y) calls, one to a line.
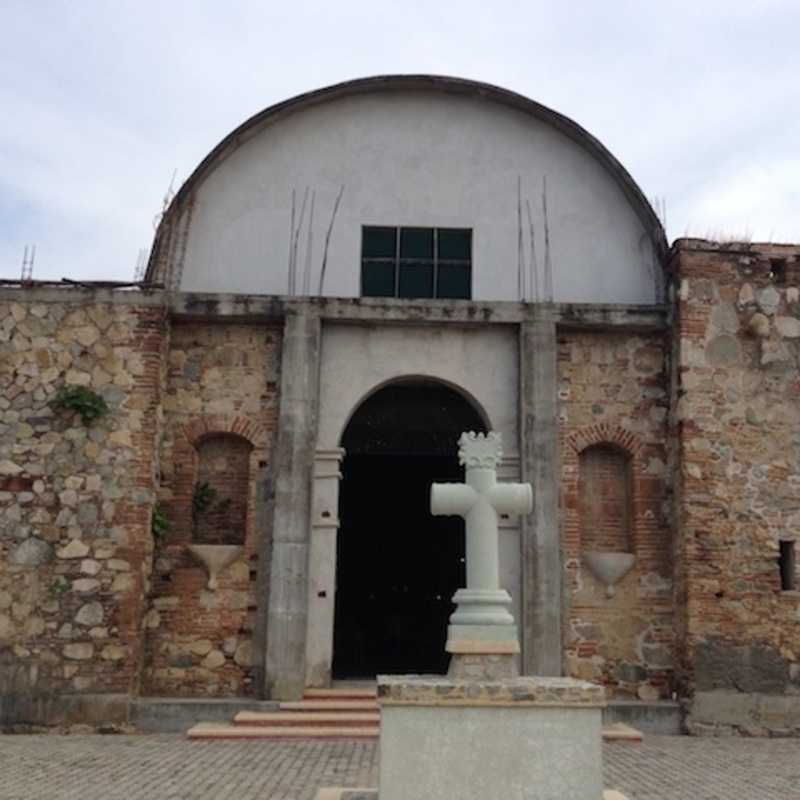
point(479, 501)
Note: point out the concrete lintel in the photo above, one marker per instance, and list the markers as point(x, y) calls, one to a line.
point(586, 316)
point(291, 519)
point(222, 307)
point(76, 295)
point(369, 310)
point(540, 539)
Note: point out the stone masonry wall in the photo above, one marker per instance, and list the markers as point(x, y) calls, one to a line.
point(222, 379)
point(737, 430)
point(75, 499)
point(613, 395)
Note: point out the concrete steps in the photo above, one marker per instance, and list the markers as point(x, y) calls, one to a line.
point(212, 730)
point(340, 713)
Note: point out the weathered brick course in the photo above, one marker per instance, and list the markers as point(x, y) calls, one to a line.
point(613, 400)
point(221, 403)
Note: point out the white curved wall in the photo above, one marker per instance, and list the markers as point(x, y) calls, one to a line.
point(416, 159)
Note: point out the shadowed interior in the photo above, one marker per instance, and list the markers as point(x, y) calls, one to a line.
point(397, 565)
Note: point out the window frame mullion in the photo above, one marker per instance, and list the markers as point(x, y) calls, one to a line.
point(398, 231)
point(435, 290)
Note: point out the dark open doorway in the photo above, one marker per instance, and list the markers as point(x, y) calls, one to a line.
point(397, 565)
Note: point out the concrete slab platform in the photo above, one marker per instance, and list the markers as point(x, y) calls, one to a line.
point(660, 717)
point(176, 714)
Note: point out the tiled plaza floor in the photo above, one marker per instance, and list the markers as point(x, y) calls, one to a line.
point(171, 768)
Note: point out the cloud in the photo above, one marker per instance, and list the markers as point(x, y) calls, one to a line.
point(749, 201)
point(101, 101)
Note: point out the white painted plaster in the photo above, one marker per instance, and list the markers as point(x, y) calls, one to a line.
point(408, 158)
point(355, 361)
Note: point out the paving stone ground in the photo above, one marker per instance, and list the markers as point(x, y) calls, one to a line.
point(172, 768)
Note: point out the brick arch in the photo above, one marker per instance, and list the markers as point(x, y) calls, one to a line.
point(605, 433)
point(201, 427)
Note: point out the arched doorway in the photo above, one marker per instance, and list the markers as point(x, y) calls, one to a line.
point(397, 565)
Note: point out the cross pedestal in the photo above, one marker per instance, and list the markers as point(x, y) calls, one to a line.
point(482, 636)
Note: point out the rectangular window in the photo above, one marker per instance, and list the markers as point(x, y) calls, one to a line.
point(416, 262)
point(786, 564)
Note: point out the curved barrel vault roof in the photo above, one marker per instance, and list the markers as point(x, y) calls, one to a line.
point(398, 84)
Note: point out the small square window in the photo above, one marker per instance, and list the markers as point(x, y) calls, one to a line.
point(377, 278)
point(416, 262)
point(454, 244)
point(378, 242)
point(416, 243)
point(454, 281)
point(416, 279)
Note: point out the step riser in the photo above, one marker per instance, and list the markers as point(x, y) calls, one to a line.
point(310, 718)
point(283, 737)
point(304, 724)
point(231, 732)
point(317, 705)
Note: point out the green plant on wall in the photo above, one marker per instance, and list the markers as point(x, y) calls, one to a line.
point(159, 524)
point(203, 498)
point(58, 586)
point(87, 403)
point(204, 501)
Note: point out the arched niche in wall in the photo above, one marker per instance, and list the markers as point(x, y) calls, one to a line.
point(606, 510)
point(221, 489)
point(604, 491)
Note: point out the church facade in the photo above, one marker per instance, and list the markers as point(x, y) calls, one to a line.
point(346, 283)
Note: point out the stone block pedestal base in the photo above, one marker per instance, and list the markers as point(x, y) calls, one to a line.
point(528, 738)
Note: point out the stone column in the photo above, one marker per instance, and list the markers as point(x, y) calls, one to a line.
point(322, 566)
point(540, 537)
point(292, 471)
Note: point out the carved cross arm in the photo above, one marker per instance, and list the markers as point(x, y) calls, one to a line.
point(511, 498)
point(452, 499)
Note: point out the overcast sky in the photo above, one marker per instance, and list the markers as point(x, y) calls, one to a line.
point(100, 102)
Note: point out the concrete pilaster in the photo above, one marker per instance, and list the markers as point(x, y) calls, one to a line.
point(293, 466)
point(540, 539)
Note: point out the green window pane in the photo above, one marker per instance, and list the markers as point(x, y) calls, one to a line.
point(416, 279)
point(378, 242)
point(416, 243)
point(455, 281)
point(454, 243)
point(377, 278)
